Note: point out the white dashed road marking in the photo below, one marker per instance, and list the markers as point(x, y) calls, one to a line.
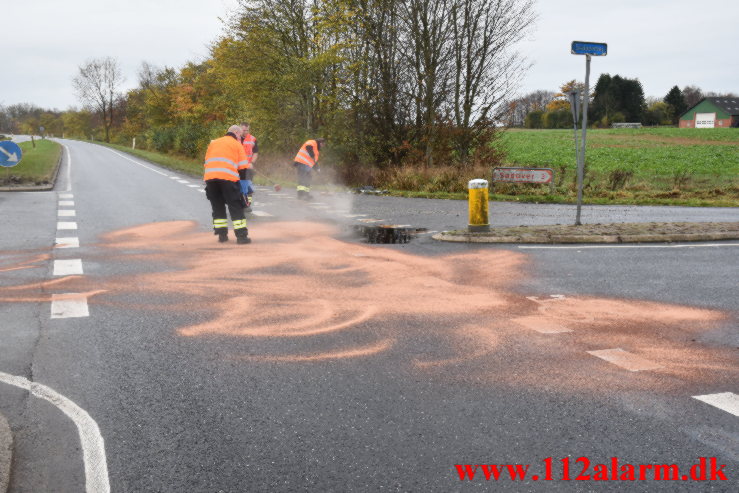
point(66, 225)
point(69, 305)
point(93, 445)
point(726, 401)
point(66, 203)
point(67, 213)
point(542, 325)
point(66, 196)
point(261, 213)
point(625, 360)
point(67, 242)
point(68, 267)
point(193, 186)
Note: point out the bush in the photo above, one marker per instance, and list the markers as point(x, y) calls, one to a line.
point(534, 119)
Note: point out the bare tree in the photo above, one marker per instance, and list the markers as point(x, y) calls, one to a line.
point(486, 67)
point(692, 95)
point(97, 87)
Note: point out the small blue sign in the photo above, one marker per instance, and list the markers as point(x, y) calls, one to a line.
point(589, 48)
point(10, 153)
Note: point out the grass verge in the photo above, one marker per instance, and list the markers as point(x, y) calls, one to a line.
point(37, 164)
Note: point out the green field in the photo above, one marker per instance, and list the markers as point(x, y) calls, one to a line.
point(37, 165)
point(633, 163)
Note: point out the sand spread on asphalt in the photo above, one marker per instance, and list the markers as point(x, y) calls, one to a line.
point(302, 296)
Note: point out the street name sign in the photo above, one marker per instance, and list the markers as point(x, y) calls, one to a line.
point(589, 48)
point(10, 154)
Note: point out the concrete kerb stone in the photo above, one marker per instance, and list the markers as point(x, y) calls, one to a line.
point(6, 453)
point(461, 237)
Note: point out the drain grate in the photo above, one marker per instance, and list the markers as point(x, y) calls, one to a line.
point(386, 233)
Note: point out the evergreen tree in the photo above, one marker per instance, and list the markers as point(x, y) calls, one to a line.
point(675, 103)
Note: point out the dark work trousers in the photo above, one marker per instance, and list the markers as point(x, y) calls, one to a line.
point(304, 176)
point(222, 193)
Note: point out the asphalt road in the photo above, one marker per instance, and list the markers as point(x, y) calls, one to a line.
point(312, 361)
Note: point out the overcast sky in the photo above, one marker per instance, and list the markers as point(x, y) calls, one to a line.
point(660, 42)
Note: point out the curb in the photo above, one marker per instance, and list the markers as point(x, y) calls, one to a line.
point(39, 188)
point(609, 239)
point(6, 453)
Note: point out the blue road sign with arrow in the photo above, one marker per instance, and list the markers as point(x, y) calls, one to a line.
point(10, 153)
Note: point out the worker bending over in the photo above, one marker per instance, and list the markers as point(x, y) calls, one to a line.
point(306, 162)
point(223, 159)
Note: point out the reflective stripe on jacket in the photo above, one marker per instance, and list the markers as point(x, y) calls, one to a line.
point(223, 159)
point(248, 144)
point(304, 158)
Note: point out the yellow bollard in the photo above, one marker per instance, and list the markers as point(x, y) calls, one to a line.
point(478, 191)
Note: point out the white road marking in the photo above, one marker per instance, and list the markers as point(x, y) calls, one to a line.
point(69, 305)
point(139, 164)
point(69, 174)
point(370, 220)
point(68, 267)
point(261, 213)
point(184, 181)
point(67, 213)
point(552, 297)
point(91, 440)
point(194, 186)
point(67, 242)
point(726, 401)
point(175, 177)
point(66, 203)
point(541, 325)
point(583, 247)
point(66, 225)
point(66, 196)
point(355, 215)
point(625, 359)
point(201, 191)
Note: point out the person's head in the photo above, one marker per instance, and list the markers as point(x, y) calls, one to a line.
point(245, 127)
point(321, 143)
point(236, 130)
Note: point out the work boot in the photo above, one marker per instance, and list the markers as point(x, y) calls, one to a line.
point(242, 236)
point(222, 236)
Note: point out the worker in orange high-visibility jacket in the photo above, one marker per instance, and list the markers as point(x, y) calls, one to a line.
point(247, 175)
point(306, 162)
point(223, 160)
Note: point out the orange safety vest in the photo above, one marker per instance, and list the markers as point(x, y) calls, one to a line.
point(248, 143)
point(223, 159)
point(304, 158)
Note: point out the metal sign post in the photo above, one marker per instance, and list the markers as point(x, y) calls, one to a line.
point(575, 107)
point(589, 49)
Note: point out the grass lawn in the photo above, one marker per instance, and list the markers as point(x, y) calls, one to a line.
point(649, 165)
point(37, 164)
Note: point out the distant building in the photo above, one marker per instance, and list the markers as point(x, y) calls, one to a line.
point(712, 113)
